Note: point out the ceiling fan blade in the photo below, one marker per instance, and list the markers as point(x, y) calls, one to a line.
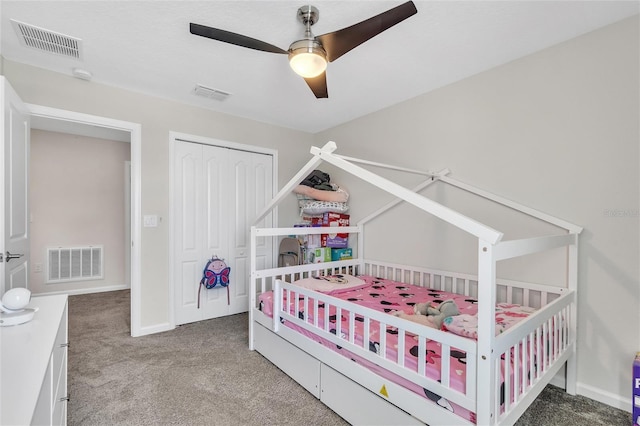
point(340, 42)
point(318, 85)
point(233, 38)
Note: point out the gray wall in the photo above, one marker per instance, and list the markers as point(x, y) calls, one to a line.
point(557, 131)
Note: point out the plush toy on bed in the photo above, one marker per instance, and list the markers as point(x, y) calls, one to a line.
point(430, 315)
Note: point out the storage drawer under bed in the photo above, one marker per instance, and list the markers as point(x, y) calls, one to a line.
point(297, 364)
point(354, 403)
point(358, 405)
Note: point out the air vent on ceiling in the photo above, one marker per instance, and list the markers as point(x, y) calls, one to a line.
point(208, 92)
point(49, 41)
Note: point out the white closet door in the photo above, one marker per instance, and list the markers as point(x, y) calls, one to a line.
point(215, 223)
point(251, 189)
point(217, 194)
point(264, 192)
point(187, 206)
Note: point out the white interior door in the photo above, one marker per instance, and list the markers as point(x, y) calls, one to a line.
point(251, 189)
point(187, 222)
point(217, 193)
point(214, 212)
point(15, 172)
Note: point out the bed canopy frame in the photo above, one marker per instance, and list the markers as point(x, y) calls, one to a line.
point(491, 249)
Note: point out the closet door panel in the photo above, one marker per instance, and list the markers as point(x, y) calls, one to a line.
point(187, 251)
point(213, 302)
point(253, 188)
point(189, 191)
point(264, 191)
point(239, 223)
point(214, 209)
point(189, 273)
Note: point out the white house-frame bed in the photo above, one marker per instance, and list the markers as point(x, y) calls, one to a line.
point(538, 346)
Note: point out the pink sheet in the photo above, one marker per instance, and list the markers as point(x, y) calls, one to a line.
point(386, 296)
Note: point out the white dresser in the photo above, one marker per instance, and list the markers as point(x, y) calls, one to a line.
point(33, 366)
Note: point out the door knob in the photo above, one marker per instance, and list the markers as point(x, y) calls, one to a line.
point(10, 256)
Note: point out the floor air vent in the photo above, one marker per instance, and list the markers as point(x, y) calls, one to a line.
point(74, 264)
point(48, 41)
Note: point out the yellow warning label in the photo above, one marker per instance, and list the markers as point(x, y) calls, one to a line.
point(383, 391)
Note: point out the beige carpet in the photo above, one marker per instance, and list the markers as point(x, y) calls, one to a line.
point(204, 374)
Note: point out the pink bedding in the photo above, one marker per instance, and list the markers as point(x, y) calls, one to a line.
point(387, 296)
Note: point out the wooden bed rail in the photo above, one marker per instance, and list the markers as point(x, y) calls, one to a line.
point(384, 356)
point(534, 351)
point(264, 278)
point(271, 232)
point(507, 291)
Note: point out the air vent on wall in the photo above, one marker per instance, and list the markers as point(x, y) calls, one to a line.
point(208, 92)
point(66, 264)
point(48, 41)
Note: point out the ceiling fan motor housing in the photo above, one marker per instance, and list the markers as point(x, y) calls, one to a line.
point(306, 46)
point(308, 15)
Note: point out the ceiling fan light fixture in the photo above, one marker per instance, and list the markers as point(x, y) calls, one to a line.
point(307, 58)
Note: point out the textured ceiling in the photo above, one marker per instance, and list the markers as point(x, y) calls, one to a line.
point(146, 46)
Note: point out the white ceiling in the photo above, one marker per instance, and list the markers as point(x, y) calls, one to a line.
point(146, 46)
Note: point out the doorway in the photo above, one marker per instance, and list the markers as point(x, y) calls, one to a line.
point(70, 122)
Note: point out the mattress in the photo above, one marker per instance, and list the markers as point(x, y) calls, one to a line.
point(385, 295)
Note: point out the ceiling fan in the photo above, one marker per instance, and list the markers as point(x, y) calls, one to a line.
point(309, 56)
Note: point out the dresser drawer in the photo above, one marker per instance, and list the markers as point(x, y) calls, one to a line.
point(59, 355)
point(59, 416)
point(42, 412)
point(59, 362)
point(60, 397)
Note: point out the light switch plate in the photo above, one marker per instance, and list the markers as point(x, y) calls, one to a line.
point(150, 221)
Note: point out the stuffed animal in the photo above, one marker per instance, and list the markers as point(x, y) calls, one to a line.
point(429, 315)
point(426, 308)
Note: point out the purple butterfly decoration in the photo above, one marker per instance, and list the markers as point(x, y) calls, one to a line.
point(213, 278)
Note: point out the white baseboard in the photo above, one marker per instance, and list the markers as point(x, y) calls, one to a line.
point(86, 290)
point(152, 329)
point(596, 394)
point(605, 397)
